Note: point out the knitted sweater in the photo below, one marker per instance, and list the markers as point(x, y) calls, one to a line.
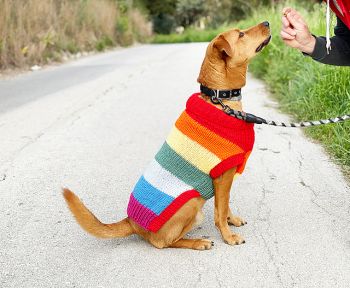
point(204, 143)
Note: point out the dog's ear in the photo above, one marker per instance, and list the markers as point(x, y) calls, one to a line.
point(223, 46)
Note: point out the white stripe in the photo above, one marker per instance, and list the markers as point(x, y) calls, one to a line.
point(164, 181)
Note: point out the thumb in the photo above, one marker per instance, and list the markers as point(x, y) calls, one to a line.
point(296, 21)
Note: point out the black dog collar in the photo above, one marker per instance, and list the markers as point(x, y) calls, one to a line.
point(233, 95)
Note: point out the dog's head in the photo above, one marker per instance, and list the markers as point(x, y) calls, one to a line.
point(228, 54)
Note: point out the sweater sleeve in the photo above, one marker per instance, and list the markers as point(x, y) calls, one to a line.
point(339, 55)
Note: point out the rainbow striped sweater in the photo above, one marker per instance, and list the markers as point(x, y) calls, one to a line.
point(204, 143)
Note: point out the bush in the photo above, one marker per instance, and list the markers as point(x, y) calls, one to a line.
point(189, 12)
point(163, 23)
point(103, 43)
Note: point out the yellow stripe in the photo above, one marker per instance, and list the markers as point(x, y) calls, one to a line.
point(191, 151)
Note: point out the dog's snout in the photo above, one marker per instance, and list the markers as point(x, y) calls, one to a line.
point(266, 23)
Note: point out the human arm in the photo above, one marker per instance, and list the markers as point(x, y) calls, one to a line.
point(295, 33)
point(340, 47)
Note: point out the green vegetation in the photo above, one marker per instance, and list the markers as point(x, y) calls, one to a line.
point(189, 35)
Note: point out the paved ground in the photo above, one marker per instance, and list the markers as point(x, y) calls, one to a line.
point(94, 124)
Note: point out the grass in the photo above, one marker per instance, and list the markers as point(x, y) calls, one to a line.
point(189, 35)
point(37, 31)
point(305, 88)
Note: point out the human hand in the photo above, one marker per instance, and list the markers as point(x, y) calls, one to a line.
point(295, 32)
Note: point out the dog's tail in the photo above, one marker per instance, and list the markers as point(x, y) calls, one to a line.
point(91, 224)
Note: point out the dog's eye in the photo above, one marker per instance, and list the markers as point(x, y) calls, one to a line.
point(241, 34)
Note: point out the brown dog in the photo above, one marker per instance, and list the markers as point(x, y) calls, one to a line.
point(224, 68)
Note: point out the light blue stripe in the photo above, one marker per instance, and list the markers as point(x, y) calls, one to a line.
point(151, 197)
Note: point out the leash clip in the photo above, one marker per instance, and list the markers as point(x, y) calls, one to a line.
point(215, 98)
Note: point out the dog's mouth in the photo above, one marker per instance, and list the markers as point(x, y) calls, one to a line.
point(263, 44)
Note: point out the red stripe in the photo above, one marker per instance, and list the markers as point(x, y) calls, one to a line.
point(179, 201)
point(237, 131)
point(227, 164)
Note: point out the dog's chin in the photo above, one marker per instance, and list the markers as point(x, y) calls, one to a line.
point(263, 44)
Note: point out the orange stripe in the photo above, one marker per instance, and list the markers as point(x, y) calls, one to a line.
point(219, 146)
point(242, 167)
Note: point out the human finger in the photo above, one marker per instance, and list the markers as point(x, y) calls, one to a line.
point(285, 22)
point(297, 17)
point(286, 10)
point(286, 36)
point(289, 31)
point(295, 20)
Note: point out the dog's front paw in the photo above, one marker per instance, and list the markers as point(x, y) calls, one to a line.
point(202, 244)
point(234, 239)
point(235, 221)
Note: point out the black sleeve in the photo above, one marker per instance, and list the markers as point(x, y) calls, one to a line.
point(340, 44)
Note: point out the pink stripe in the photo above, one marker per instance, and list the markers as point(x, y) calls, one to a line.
point(139, 213)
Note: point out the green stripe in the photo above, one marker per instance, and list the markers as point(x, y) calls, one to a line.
point(185, 171)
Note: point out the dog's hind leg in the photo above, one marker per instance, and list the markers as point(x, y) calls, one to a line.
point(196, 244)
point(234, 220)
point(172, 233)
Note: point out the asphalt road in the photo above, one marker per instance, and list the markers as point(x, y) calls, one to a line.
point(94, 124)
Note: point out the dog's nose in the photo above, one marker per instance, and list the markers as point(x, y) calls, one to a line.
point(266, 23)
